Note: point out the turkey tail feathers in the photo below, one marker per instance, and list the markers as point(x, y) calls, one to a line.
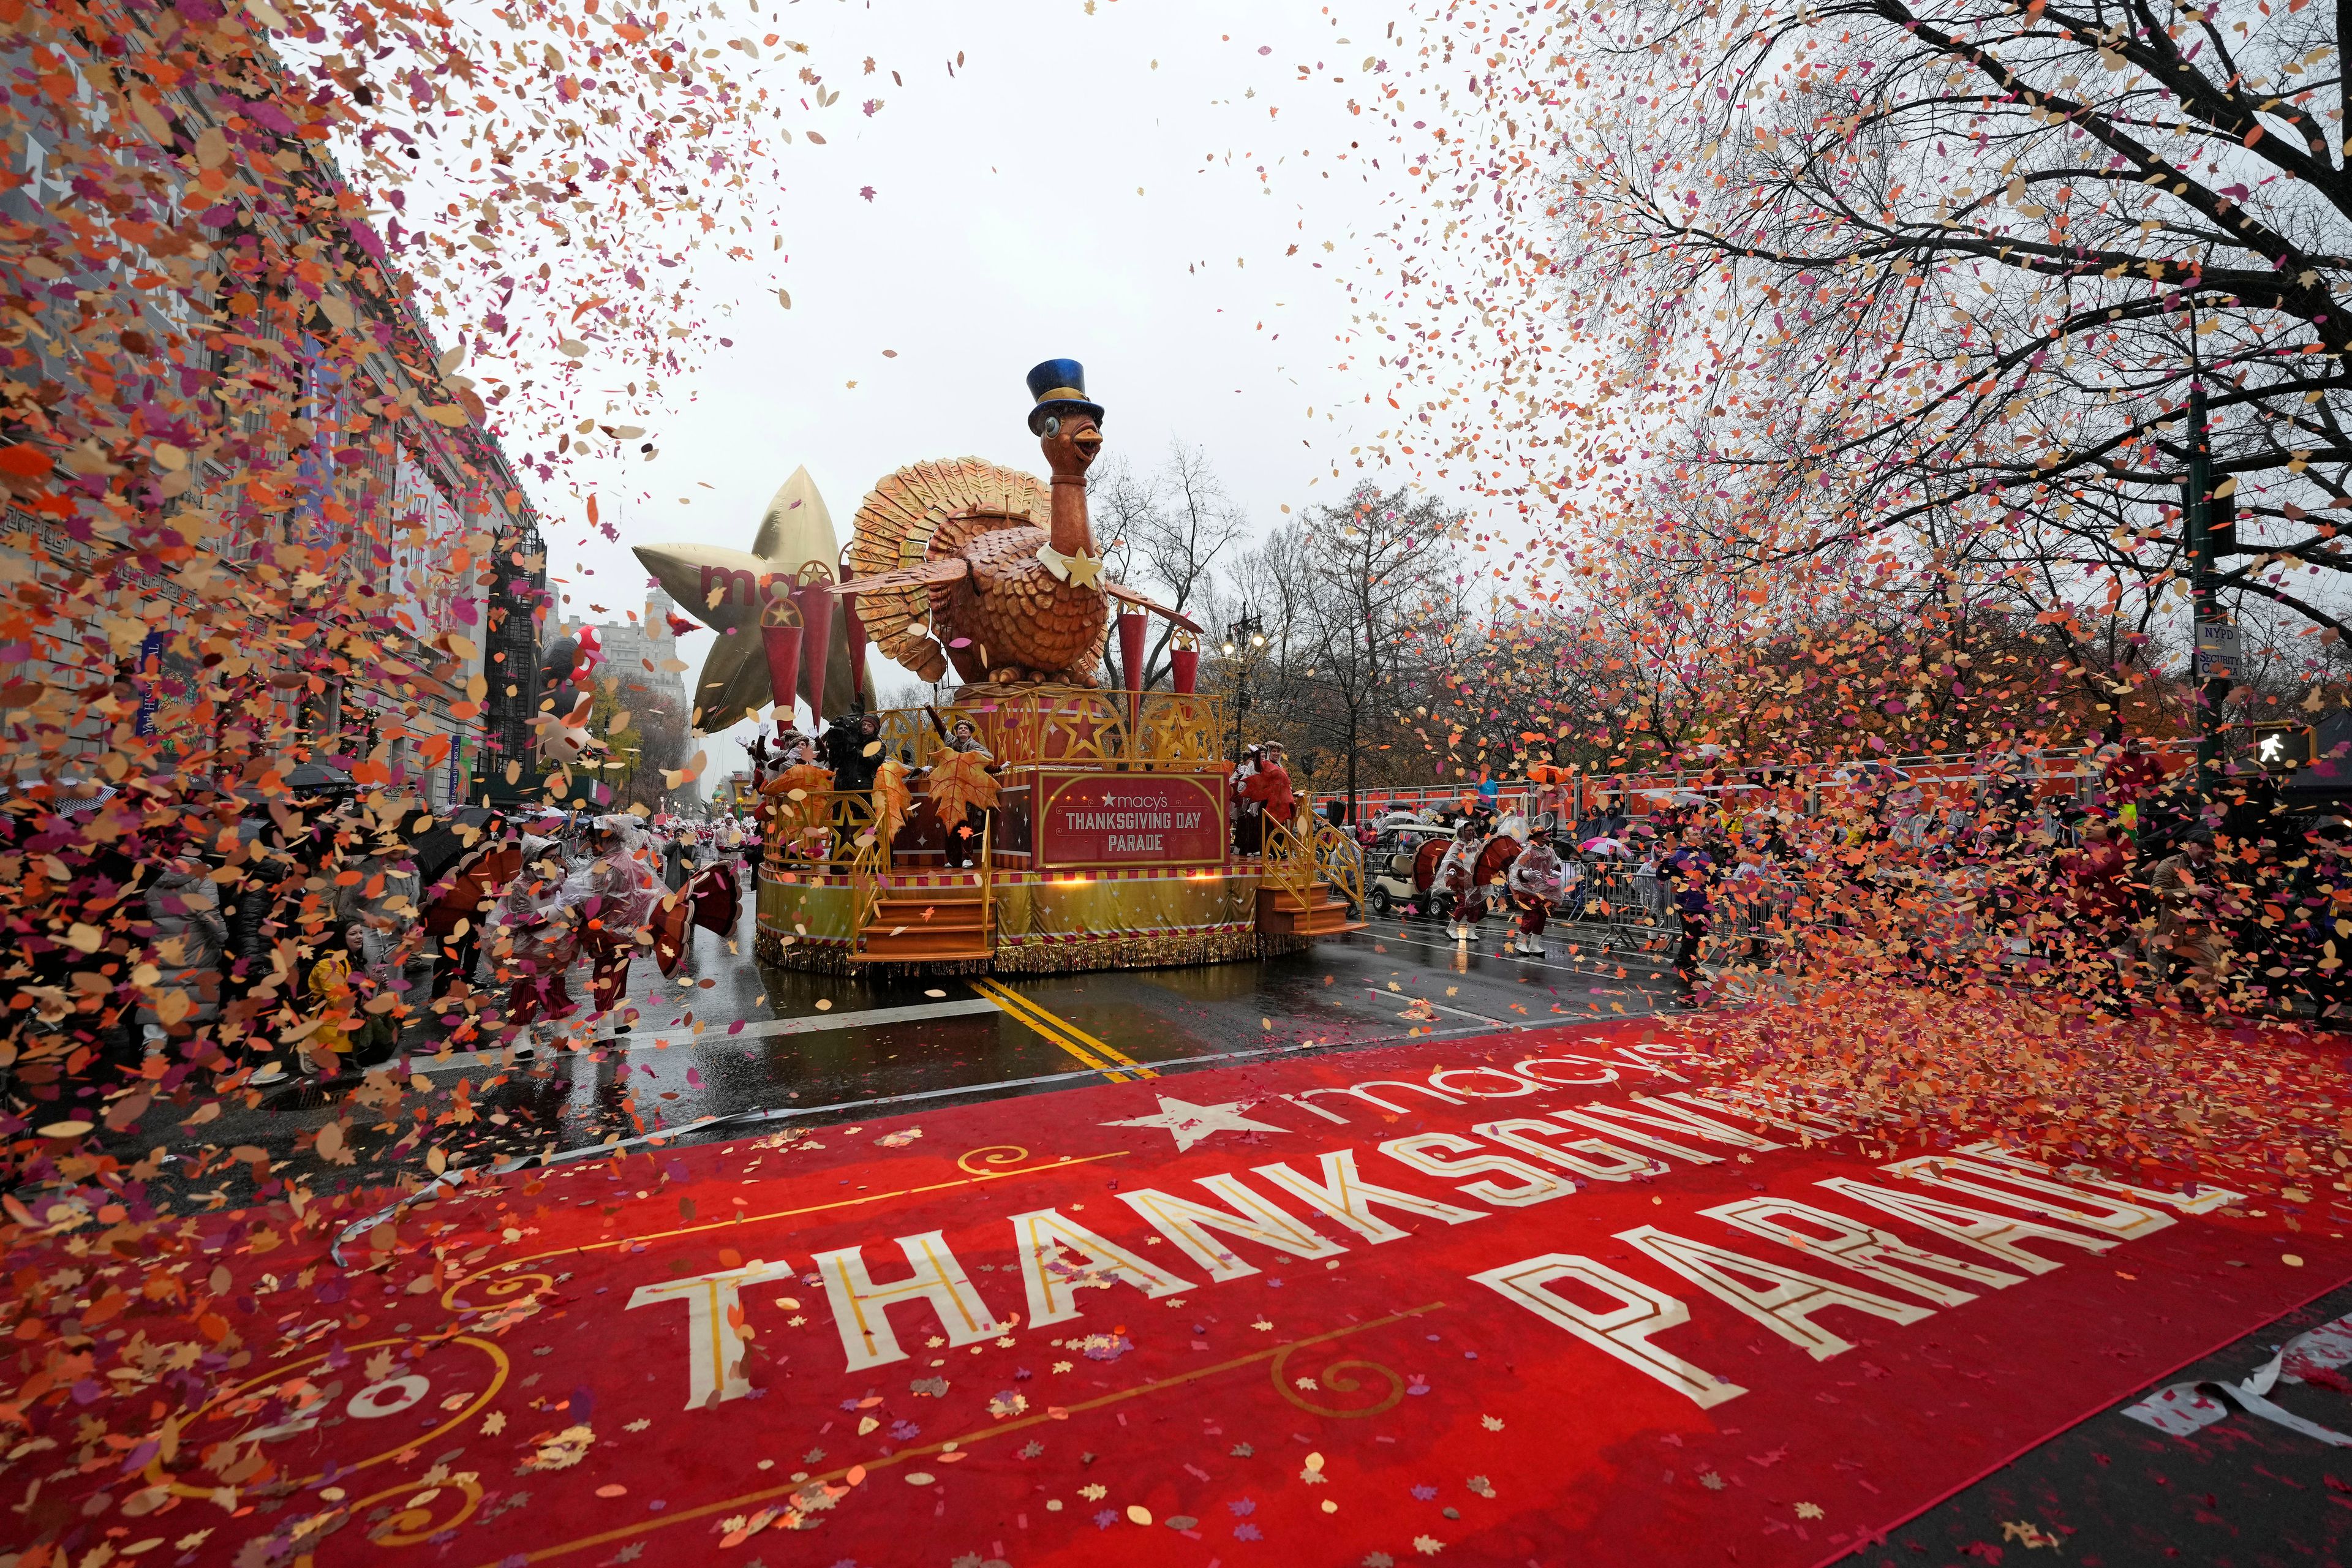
point(921, 514)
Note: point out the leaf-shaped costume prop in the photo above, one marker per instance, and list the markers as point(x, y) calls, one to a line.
point(960, 784)
point(893, 802)
point(1494, 862)
point(798, 827)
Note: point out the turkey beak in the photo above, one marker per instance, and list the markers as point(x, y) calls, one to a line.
point(1087, 440)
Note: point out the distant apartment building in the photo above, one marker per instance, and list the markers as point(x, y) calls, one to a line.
point(643, 674)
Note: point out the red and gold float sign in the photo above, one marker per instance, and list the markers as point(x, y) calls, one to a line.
point(1108, 821)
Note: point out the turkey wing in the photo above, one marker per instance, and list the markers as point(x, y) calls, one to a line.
point(953, 569)
point(1122, 592)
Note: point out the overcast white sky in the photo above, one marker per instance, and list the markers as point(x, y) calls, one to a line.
point(1048, 199)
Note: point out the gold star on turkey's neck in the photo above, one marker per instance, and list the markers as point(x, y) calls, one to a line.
point(1086, 571)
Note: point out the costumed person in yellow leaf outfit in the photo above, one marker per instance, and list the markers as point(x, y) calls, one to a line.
point(794, 806)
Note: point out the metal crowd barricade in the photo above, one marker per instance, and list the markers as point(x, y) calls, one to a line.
point(1628, 904)
point(1740, 915)
point(1630, 907)
point(2047, 774)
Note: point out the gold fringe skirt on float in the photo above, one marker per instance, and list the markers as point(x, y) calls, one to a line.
point(1172, 951)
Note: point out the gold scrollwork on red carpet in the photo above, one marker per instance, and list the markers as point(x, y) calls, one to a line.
point(421, 1517)
point(290, 1404)
point(1001, 1156)
point(1337, 1377)
point(496, 1285)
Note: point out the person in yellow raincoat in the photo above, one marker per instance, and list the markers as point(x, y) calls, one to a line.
point(337, 1005)
point(340, 986)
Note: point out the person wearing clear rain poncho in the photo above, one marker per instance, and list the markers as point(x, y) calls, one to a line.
point(1533, 884)
point(527, 943)
point(609, 899)
point(1457, 883)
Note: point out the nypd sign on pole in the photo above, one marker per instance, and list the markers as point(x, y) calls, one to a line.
point(2218, 650)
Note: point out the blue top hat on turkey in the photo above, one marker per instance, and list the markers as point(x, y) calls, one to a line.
point(1059, 386)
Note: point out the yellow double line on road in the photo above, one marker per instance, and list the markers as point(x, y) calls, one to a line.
point(1064, 1034)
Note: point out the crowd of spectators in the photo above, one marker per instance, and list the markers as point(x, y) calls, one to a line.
point(170, 926)
point(2133, 886)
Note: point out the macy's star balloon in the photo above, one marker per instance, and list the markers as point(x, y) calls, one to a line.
point(730, 590)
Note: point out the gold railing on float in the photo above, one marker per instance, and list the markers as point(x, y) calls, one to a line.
point(1288, 860)
point(1079, 726)
point(816, 836)
point(867, 854)
point(870, 856)
point(1308, 850)
point(1339, 860)
point(987, 879)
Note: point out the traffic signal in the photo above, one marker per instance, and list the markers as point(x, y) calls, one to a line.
point(2221, 523)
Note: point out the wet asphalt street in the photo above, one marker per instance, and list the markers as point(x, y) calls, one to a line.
point(725, 1048)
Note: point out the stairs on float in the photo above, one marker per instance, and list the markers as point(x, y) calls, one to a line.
point(1324, 913)
point(924, 925)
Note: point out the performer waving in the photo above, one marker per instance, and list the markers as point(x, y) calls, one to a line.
point(1269, 786)
point(963, 792)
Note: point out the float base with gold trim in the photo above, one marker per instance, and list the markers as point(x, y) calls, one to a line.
point(1044, 925)
point(1110, 847)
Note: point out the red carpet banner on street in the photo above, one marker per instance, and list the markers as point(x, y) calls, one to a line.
point(1537, 1298)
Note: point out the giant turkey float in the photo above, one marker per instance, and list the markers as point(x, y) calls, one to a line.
point(1037, 821)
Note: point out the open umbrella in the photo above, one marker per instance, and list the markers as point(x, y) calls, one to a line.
point(442, 845)
point(317, 778)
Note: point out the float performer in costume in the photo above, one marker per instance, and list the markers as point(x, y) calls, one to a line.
point(963, 792)
point(1534, 883)
point(1456, 884)
point(610, 899)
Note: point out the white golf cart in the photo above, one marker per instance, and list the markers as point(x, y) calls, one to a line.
point(1400, 863)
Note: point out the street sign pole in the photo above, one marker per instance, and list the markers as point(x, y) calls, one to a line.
point(2215, 661)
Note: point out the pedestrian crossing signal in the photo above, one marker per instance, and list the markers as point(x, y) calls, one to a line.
point(2281, 748)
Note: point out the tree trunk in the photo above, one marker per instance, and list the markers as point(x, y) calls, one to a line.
point(1352, 749)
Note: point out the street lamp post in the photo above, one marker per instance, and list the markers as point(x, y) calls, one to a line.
point(1245, 634)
